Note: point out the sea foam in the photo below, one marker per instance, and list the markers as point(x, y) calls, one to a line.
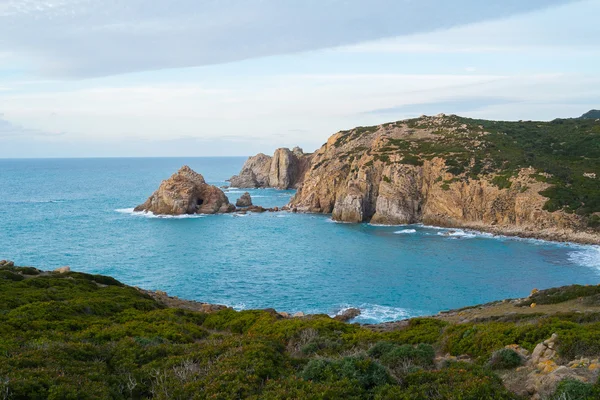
point(375, 313)
point(588, 256)
point(405, 231)
point(130, 211)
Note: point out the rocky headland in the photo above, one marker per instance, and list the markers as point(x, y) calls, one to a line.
point(186, 192)
point(529, 179)
point(285, 170)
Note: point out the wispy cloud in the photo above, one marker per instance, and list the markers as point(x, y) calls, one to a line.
point(82, 38)
point(448, 106)
point(10, 130)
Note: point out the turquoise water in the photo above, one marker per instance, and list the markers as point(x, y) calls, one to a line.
point(78, 213)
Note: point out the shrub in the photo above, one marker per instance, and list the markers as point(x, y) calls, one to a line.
point(11, 276)
point(422, 355)
point(365, 372)
point(571, 389)
point(505, 359)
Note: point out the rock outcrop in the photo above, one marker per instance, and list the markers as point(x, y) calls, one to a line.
point(186, 192)
point(285, 170)
point(254, 173)
point(383, 175)
point(244, 201)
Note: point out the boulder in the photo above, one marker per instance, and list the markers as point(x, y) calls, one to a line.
point(347, 314)
point(244, 201)
point(186, 192)
point(63, 270)
point(544, 352)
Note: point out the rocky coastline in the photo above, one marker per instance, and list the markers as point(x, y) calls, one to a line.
point(407, 172)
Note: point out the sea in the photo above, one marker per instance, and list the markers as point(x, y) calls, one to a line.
point(79, 212)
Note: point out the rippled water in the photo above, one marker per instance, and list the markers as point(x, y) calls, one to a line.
point(79, 213)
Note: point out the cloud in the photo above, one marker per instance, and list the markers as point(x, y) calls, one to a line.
point(10, 130)
point(449, 106)
point(89, 38)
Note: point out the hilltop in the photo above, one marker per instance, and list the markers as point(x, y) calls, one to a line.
point(592, 114)
point(72, 335)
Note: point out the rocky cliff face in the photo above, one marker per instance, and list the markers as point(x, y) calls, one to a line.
point(186, 192)
point(397, 174)
point(285, 170)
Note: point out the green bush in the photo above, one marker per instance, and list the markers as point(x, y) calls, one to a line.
point(571, 389)
point(11, 276)
point(365, 372)
point(505, 359)
point(394, 356)
point(459, 381)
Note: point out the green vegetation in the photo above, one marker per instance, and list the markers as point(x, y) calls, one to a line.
point(505, 359)
point(80, 336)
point(571, 389)
point(592, 114)
point(561, 294)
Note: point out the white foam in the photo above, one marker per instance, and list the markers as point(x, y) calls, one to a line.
point(588, 256)
point(458, 234)
point(405, 231)
point(375, 313)
point(130, 211)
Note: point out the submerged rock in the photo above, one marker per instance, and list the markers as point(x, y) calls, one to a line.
point(244, 201)
point(186, 192)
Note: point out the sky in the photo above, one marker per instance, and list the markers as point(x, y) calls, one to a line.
point(137, 78)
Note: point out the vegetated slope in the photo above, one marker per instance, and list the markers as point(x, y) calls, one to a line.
point(593, 114)
point(85, 336)
point(455, 171)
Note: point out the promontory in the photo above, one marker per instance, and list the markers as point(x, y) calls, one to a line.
point(525, 178)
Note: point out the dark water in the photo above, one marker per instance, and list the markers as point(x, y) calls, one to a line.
point(78, 213)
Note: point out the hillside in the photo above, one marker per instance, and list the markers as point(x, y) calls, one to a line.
point(592, 114)
point(73, 335)
point(528, 178)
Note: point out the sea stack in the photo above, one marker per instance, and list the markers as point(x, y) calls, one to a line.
point(285, 170)
point(186, 192)
point(244, 201)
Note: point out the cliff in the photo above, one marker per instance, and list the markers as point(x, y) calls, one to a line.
point(186, 192)
point(285, 170)
point(524, 178)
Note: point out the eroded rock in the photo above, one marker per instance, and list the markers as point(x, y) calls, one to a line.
point(244, 201)
point(285, 170)
point(186, 192)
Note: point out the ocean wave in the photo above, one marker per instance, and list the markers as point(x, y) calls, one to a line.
point(405, 231)
point(130, 211)
point(39, 201)
point(458, 234)
point(375, 313)
point(588, 256)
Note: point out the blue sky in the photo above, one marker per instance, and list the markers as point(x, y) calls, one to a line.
point(89, 78)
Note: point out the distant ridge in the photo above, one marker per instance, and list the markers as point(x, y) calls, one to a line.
point(592, 114)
